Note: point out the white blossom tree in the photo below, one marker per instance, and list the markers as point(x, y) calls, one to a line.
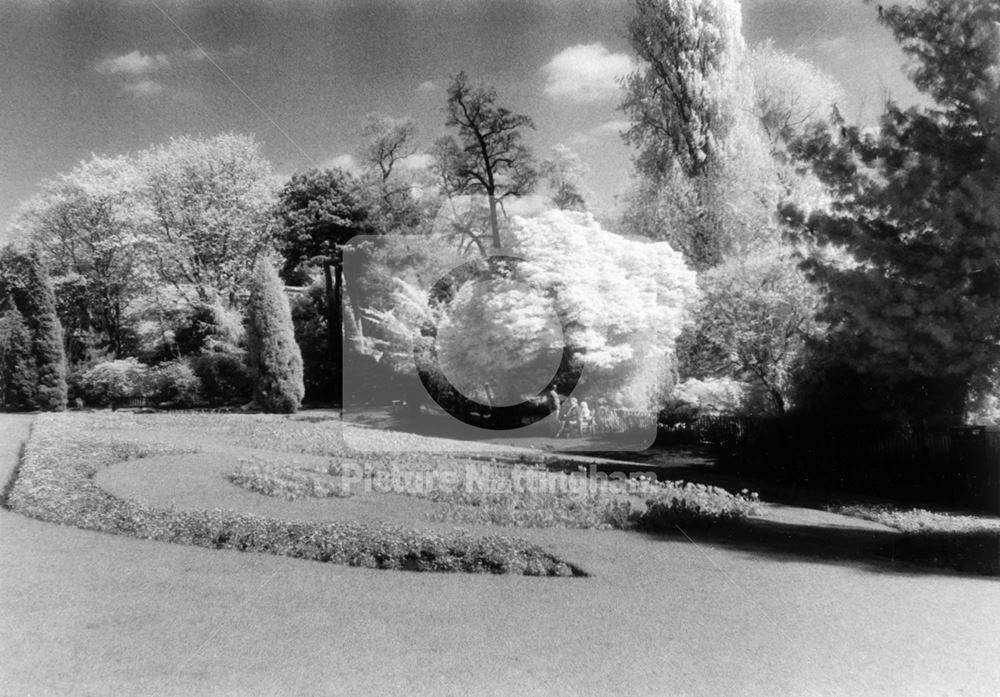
point(620, 303)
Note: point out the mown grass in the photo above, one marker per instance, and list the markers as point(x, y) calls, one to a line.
point(961, 542)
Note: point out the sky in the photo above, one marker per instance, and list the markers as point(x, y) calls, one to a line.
point(85, 77)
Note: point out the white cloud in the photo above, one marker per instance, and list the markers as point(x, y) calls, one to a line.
point(428, 86)
point(134, 63)
point(610, 128)
point(586, 73)
point(144, 88)
point(613, 128)
point(418, 160)
point(131, 69)
point(345, 162)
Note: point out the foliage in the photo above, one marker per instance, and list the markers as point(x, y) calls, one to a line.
point(960, 542)
point(504, 492)
point(917, 303)
point(25, 285)
point(175, 383)
point(563, 172)
point(210, 203)
point(711, 396)
point(18, 378)
point(919, 519)
point(622, 304)
point(194, 329)
point(55, 484)
point(111, 382)
point(286, 481)
point(224, 377)
point(87, 227)
point(318, 213)
point(489, 157)
point(677, 100)
point(387, 144)
point(789, 96)
point(309, 319)
point(755, 316)
point(275, 359)
point(681, 506)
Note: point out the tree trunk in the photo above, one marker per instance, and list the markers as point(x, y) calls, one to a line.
point(494, 224)
point(333, 276)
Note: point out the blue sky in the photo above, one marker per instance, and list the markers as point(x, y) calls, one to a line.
point(79, 77)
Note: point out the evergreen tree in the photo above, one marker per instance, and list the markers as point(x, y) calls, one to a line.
point(275, 359)
point(18, 378)
point(25, 285)
point(46, 337)
point(916, 302)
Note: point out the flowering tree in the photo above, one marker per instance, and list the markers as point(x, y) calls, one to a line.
point(620, 303)
point(210, 202)
point(87, 226)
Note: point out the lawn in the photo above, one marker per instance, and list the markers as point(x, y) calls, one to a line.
point(707, 613)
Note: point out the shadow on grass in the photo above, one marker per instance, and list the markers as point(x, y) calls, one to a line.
point(887, 551)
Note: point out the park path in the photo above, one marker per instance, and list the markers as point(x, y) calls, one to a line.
point(91, 614)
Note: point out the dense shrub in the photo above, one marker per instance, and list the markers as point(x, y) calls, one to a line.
point(55, 483)
point(175, 383)
point(687, 505)
point(111, 382)
point(225, 377)
point(275, 359)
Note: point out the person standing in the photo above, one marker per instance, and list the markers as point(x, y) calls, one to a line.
point(554, 404)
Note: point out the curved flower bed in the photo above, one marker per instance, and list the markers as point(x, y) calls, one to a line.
point(55, 483)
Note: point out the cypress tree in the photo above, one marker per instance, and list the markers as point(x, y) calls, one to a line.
point(25, 285)
point(46, 336)
point(18, 378)
point(275, 359)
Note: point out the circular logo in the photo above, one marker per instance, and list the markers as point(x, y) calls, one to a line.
point(454, 401)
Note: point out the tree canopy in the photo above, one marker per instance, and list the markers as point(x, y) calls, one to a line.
point(489, 156)
point(916, 213)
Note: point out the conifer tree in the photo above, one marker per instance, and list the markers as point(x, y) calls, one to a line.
point(275, 359)
point(917, 207)
point(46, 337)
point(25, 285)
point(18, 378)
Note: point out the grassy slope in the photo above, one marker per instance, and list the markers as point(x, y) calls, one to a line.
point(86, 613)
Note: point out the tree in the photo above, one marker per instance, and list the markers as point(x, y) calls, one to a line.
point(210, 202)
point(678, 99)
point(25, 284)
point(916, 302)
point(789, 95)
point(388, 142)
point(318, 213)
point(620, 303)
point(275, 360)
point(563, 171)
point(754, 318)
point(489, 157)
point(86, 225)
point(18, 377)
